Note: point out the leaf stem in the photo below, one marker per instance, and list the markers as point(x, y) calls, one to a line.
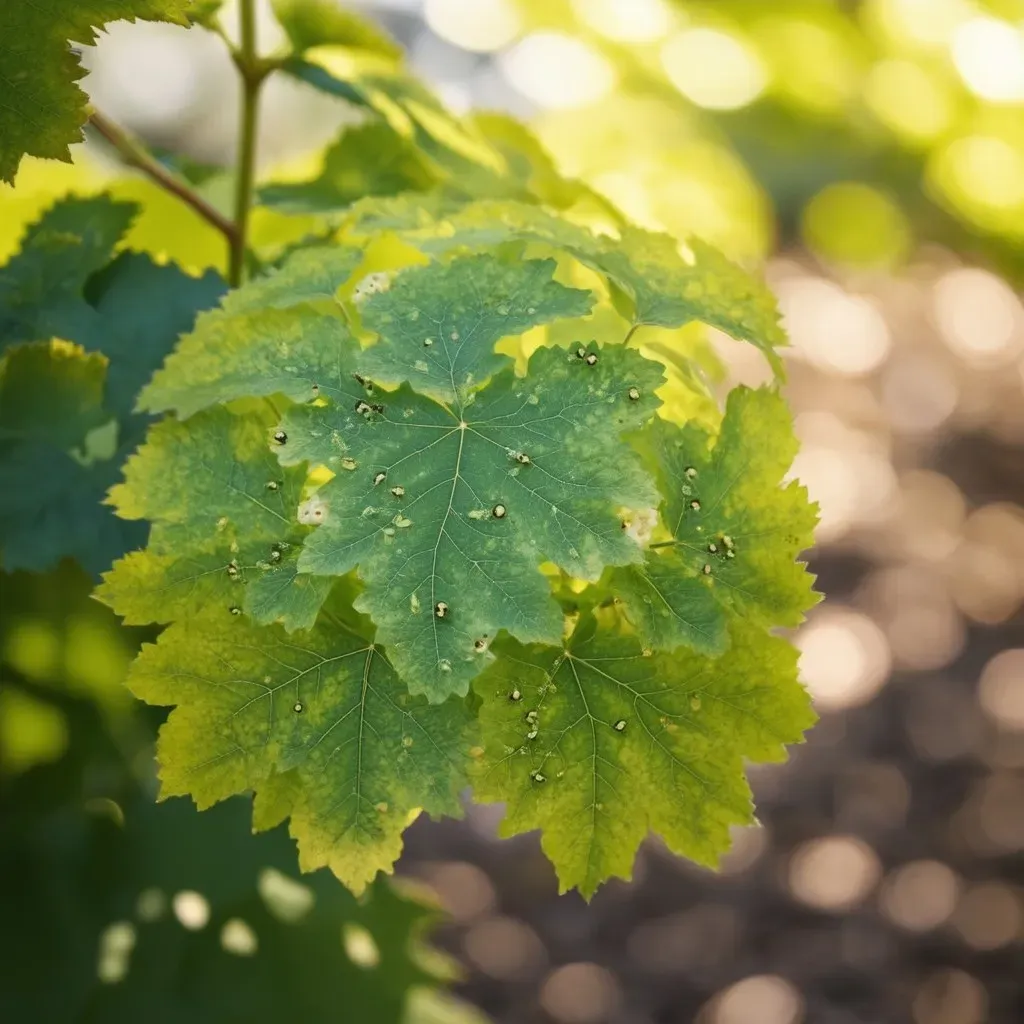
point(135, 154)
point(252, 73)
point(636, 327)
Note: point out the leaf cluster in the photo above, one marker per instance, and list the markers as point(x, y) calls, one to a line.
point(423, 509)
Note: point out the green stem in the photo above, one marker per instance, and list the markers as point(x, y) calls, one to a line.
point(134, 154)
point(252, 74)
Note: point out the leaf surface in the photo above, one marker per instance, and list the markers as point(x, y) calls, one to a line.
point(42, 109)
point(661, 287)
point(310, 23)
point(324, 706)
point(224, 515)
point(280, 334)
point(738, 529)
point(448, 516)
point(438, 324)
point(597, 745)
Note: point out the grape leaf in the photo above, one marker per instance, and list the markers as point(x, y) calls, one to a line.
point(51, 393)
point(597, 745)
point(448, 516)
point(280, 334)
point(50, 486)
point(224, 516)
point(41, 286)
point(438, 324)
point(453, 145)
point(310, 23)
point(367, 160)
point(143, 307)
point(43, 109)
point(660, 287)
point(737, 530)
point(56, 396)
point(326, 708)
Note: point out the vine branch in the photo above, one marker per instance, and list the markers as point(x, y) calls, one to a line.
point(252, 72)
point(135, 154)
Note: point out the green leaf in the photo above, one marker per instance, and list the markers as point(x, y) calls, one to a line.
point(224, 515)
point(598, 745)
point(281, 334)
point(51, 393)
point(738, 531)
point(368, 160)
point(43, 109)
point(671, 605)
point(143, 308)
point(41, 287)
point(56, 397)
point(448, 516)
point(439, 324)
point(310, 23)
point(50, 404)
point(661, 288)
point(454, 145)
point(328, 709)
point(204, 12)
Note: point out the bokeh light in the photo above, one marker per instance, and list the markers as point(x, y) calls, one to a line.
point(558, 72)
point(713, 68)
point(833, 873)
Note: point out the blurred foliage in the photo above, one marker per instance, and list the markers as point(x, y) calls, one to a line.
point(722, 111)
point(118, 908)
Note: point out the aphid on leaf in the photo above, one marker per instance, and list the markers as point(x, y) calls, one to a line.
point(691, 473)
point(298, 707)
point(280, 437)
point(707, 570)
point(272, 485)
point(537, 777)
point(316, 390)
point(363, 381)
point(634, 394)
point(522, 458)
point(379, 478)
point(695, 505)
point(499, 511)
point(515, 696)
point(233, 570)
point(235, 610)
point(620, 725)
point(441, 610)
point(581, 353)
point(377, 408)
point(591, 359)
point(399, 491)
point(532, 734)
point(480, 645)
point(362, 408)
point(275, 554)
point(713, 548)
